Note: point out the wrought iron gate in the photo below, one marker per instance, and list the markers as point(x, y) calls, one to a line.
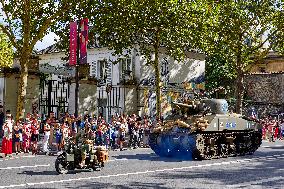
point(111, 100)
point(54, 96)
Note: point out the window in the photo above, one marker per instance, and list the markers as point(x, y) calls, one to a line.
point(102, 64)
point(125, 69)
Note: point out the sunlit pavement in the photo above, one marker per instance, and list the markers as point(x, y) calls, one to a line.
point(141, 168)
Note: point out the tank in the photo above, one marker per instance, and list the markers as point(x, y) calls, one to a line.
point(203, 129)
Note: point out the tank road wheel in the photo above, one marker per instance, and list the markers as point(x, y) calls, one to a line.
point(224, 150)
point(200, 147)
point(61, 165)
point(240, 145)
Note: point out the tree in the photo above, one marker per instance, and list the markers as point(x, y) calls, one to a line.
point(26, 22)
point(239, 31)
point(6, 51)
point(219, 74)
point(147, 26)
point(278, 24)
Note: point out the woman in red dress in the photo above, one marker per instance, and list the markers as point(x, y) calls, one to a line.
point(7, 138)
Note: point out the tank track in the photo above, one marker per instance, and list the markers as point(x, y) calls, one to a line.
point(205, 144)
point(222, 144)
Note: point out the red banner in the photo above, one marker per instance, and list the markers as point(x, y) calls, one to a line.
point(73, 44)
point(83, 40)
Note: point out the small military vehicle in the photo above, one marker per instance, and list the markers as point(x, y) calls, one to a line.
point(203, 129)
point(71, 157)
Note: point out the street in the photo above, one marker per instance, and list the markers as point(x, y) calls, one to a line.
point(141, 168)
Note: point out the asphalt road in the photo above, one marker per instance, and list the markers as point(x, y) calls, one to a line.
point(141, 168)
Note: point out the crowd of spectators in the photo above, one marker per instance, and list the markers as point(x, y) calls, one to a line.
point(272, 129)
point(120, 132)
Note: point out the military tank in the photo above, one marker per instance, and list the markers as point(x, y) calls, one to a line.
point(203, 129)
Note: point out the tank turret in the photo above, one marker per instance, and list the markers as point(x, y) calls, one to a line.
point(203, 129)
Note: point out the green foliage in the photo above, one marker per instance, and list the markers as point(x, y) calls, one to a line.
point(278, 24)
point(238, 32)
point(126, 24)
point(27, 22)
point(237, 29)
point(6, 51)
point(219, 73)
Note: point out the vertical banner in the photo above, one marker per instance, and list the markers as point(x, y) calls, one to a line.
point(73, 44)
point(83, 40)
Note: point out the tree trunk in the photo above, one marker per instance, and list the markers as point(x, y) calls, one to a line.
point(158, 87)
point(23, 81)
point(239, 92)
point(157, 76)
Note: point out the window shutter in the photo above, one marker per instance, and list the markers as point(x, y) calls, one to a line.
point(109, 73)
point(133, 63)
point(94, 69)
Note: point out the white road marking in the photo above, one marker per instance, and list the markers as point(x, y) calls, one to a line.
point(23, 167)
point(123, 159)
point(143, 172)
point(265, 146)
point(115, 175)
point(28, 156)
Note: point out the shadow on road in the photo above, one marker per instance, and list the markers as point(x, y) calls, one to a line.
point(31, 173)
point(265, 172)
point(129, 185)
point(148, 157)
point(72, 172)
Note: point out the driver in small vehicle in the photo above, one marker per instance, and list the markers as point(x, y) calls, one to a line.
point(86, 138)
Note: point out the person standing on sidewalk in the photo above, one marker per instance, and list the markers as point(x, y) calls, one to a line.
point(26, 135)
point(2, 117)
point(7, 138)
point(35, 135)
point(46, 129)
point(17, 137)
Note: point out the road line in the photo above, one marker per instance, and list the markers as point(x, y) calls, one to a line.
point(136, 173)
point(109, 176)
point(123, 159)
point(23, 167)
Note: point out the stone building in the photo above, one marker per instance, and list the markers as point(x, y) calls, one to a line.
point(122, 81)
point(265, 86)
point(125, 86)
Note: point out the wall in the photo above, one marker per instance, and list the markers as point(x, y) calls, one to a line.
point(87, 98)
point(190, 69)
point(268, 88)
point(131, 101)
point(266, 92)
point(11, 92)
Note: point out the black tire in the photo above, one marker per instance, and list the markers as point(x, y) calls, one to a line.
point(60, 164)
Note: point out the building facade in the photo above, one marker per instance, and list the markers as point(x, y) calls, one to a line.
point(265, 86)
point(115, 84)
point(123, 80)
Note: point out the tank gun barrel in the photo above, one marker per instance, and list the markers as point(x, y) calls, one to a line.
point(184, 105)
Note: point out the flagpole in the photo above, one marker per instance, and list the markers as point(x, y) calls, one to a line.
point(77, 70)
